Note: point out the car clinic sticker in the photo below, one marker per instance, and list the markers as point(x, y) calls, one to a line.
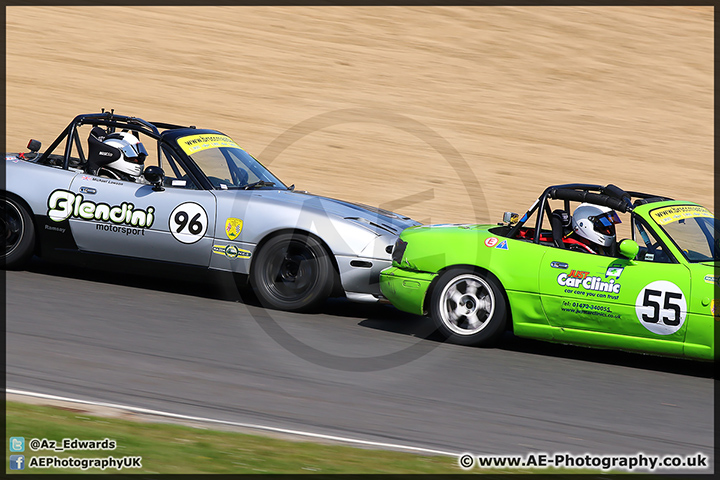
point(204, 141)
point(188, 222)
point(661, 307)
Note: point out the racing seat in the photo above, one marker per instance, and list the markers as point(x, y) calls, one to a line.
point(560, 222)
point(99, 154)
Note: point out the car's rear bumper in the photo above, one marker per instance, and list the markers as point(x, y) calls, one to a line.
point(406, 289)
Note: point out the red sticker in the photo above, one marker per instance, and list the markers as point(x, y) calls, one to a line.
point(491, 241)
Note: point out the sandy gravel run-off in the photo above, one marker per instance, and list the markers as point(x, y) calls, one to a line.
point(529, 96)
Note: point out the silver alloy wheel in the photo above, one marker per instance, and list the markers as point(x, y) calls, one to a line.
point(467, 303)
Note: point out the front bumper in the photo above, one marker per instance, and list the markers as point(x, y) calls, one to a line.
point(359, 276)
point(406, 289)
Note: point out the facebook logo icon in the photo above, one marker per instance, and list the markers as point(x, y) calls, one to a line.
point(17, 462)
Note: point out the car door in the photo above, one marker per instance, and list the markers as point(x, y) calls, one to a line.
point(613, 302)
point(136, 220)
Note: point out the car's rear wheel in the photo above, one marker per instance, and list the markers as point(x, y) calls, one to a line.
point(292, 272)
point(468, 308)
point(17, 231)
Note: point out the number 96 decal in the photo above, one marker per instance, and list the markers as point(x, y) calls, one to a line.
point(661, 307)
point(188, 222)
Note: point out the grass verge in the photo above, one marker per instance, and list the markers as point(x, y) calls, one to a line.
point(169, 448)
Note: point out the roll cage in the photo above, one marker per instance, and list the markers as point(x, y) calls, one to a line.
point(609, 196)
point(113, 121)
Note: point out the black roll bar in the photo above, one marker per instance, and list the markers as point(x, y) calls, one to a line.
point(107, 119)
point(609, 196)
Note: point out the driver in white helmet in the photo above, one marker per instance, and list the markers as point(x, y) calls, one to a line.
point(594, 229)
point(128, 159)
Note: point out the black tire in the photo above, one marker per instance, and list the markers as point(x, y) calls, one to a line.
point(18, 233)
point(292, 272)
point(468, 308)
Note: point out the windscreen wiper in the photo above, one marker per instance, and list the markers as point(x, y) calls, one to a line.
point(259, 183)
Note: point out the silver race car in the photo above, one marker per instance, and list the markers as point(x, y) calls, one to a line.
point(193, 197)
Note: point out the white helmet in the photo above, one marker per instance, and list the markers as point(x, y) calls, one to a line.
point(595, 223)
point(132, 153)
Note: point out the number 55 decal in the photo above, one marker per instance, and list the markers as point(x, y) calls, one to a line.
point(188, 222)
point(661, 307)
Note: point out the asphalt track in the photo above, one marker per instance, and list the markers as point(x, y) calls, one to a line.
point(184, 343)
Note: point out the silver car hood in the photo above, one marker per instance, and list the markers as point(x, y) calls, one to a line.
point(373, 217)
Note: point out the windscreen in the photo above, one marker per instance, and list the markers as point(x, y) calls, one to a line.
point(226, 165)
point(692, 229)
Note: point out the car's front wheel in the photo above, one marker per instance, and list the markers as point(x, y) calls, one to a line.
point(468, 308)
point(292, 272)
point(17, 231)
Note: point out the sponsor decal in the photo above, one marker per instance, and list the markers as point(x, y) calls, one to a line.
point(502, 245)
point(204, 141)
point(562, 265)
point(63, 204)
point(121, 230)
point(589, 309)
point(614, 271)
point(491, 241)
point(233, 227)
point(666, 215)
point(230, 251)
point(661, 307)
point(579, 279)
point(54, 229)
point(712, 279)
point(188, 222)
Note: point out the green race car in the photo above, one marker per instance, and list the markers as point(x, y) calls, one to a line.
point(565, 278)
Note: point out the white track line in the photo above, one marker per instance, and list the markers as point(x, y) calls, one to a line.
point(235, 424)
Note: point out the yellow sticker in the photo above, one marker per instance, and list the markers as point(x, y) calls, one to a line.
point(197, 143)
point(233, 227)
point(666, 215)
point(231, 251)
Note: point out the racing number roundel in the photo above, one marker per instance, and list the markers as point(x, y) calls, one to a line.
point(188, 222)
point(661, 307)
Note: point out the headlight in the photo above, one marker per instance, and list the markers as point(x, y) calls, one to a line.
point(398, 250)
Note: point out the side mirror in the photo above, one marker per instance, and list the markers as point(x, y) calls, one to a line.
point(34, 145)
point(155, 176)
point(629, 248)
